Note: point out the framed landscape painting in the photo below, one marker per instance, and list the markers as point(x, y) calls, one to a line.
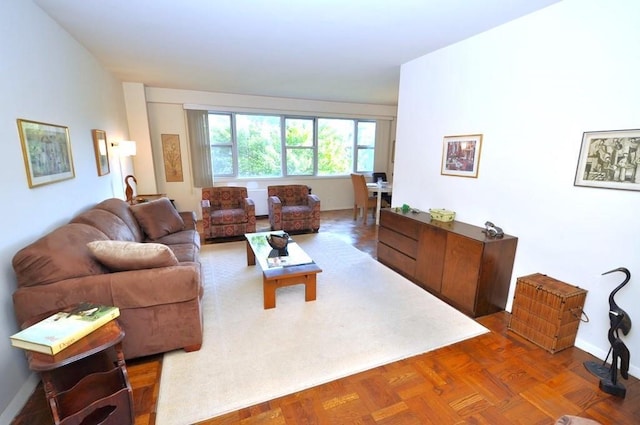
point(609, 160)
point(461, 155)
point(46, 149)
point(100, 148)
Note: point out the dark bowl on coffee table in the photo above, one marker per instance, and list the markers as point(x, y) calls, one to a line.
point(279, 243)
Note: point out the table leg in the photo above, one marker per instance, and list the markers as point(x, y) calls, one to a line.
point(378, 206)
point(251, 256)
point(51, 394)
point(310, 288)
point(269, 294)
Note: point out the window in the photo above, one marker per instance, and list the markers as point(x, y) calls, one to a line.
point(222, 158)
point(335, 146)
point(300, 146)
point(259, 146)
point(253, 145)
point(366, 145)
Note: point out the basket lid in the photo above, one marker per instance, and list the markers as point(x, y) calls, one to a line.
point(546, 283)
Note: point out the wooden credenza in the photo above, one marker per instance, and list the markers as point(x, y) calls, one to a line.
point(455, 261)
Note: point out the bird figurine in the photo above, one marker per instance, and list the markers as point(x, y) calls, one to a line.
point(619, 321)
point(129, 190)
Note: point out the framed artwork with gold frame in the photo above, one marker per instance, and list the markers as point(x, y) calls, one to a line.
point(46, 149)
point(101, 151)
point(172, 157)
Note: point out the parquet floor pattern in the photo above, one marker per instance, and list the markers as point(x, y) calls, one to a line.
point(496, 378)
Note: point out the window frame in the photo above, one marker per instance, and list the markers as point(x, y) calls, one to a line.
point(284, 148)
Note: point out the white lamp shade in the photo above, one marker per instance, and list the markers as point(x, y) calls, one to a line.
point(127, 148)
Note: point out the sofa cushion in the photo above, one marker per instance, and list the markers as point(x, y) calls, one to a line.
point(230, 216)
point(123, 255)
point(296, 212)
point(107, 222)
point(182, 237)
point(186, 252)
point(121, 209)
point(158, 218)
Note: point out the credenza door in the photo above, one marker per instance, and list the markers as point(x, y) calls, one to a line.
point(430, 258)
point(462, 268)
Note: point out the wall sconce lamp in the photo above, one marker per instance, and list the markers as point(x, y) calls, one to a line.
point(125, 147)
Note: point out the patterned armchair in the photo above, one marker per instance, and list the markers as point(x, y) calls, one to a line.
point(293, 208)
point(227, 211)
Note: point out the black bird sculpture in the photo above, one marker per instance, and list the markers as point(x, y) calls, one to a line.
point(614, 310)
point(619, 320)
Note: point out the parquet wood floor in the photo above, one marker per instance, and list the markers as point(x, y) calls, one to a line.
point(496, 378)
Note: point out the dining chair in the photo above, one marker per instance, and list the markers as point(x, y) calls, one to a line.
point(361, 197)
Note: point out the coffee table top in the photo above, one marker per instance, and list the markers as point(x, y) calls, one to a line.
point(268, 257)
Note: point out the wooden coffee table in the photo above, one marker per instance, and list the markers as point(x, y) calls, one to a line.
point(295, 269)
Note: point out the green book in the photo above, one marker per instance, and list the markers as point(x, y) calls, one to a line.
point(59, 331)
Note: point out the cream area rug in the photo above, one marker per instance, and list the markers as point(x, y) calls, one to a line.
point(365, 315)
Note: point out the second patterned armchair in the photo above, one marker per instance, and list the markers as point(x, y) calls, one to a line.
point(292, 208)
point(227, 211)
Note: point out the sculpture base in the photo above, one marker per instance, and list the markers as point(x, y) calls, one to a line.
point(616, 389)
point(600, 370)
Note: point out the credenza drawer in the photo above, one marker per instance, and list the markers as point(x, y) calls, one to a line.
point(398, 241)
point(396, 260)
point(399, 223)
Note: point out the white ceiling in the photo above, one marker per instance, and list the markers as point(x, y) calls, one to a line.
point(336, 50)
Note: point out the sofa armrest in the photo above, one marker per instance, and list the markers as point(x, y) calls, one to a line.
point(275, 212)
point(206, 209)
point(314, 202)
point(249, 206)
point(206, 218)
point(274, 203)
point(189, 218)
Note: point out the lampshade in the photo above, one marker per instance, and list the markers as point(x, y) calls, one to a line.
point(127, 148)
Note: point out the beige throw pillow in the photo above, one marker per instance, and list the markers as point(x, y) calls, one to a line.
point(122, 255)
point(158, 218)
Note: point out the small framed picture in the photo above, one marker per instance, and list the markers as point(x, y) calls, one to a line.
point(46, 149)
point(461, 155)
point(609, 160)
point(100, 148)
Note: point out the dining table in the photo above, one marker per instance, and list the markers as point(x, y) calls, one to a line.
point(379, 188)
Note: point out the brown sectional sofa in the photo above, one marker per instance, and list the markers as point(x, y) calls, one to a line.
point(159, 298)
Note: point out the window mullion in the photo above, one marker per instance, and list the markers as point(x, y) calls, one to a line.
point(234, 145)
point(283, 145)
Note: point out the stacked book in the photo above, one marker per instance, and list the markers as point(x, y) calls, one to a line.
point(59, 331)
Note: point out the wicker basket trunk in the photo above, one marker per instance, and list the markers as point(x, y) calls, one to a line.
point(547, 311)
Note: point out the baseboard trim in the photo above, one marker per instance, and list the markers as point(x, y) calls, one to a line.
point(20, 399)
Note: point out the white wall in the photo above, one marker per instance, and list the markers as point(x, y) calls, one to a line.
point(45, 76)
point(532, 87)
point(166, 116)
